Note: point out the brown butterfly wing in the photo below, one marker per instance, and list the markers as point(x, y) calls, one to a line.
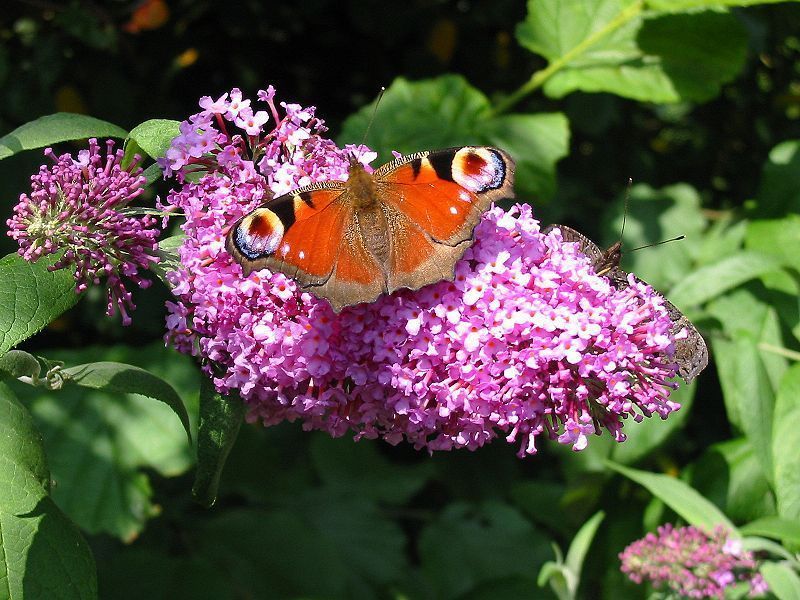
point(432, 202)
point(691, 352)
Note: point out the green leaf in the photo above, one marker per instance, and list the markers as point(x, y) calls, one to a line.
point(729, 475)
point(651, 433)
point(98, 441)
point(537, 142)
point(715, 279)
point(479, 542)
point(42, 553)
point(360, 470)
point(51, 129)
point(779, 192)
point(785, 530)
point(651, 216)
point(752, 394)
point(777, 237)
point(783, 581)
point(119, 378)
point(419, 115)
point(31, 297)
point(267, 554)
point(152, 173)
point(448, 111)
point(579, 548)
point(168, 253)
point(17, 363)
point(681, 498)
point(689, 4)
point(155, 135)
point(785, 443)
point(745, 311)
point(220, 420)
point(615, 46)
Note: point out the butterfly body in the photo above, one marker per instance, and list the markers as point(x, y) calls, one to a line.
point(691, 353)
point(403, 226)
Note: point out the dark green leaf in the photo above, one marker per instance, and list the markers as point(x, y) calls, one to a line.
point(651, 433)
point(155, 135)
point(267, 553)
point(479, 541)
point(42, 553)
point(31, 297)
point(119, 378)
point(60, 127)
point(615, 46)
point(360, 470)
point(681, 498)
point(220, 420)
point(97, 442)
point(17, 363)
point(730, 476)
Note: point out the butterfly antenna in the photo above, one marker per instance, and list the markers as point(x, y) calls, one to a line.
point(372, 118)
point(675, 239)
point(625, 208)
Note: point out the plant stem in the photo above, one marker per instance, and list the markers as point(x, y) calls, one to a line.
point(539, 77)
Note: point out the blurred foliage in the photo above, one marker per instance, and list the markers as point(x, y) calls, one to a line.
point(303, 515)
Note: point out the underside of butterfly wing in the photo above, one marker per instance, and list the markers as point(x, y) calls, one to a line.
point(691, 352)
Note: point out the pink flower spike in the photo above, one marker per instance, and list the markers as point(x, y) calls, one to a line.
point(692, 563)
point(79, 206)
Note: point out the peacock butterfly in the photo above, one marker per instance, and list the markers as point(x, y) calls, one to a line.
point(403, 226)
point(691, 353)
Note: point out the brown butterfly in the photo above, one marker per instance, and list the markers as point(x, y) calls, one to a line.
point(691, 353)
point(403, 226)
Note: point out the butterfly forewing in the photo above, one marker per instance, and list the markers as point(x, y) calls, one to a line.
point(405, 226)
point(691, 353)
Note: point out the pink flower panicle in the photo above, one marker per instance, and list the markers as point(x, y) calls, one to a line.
point(691, 562)
point(527, 339)
point(79, 206)
point(229, 138)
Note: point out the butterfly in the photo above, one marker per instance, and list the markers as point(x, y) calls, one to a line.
point(403, 226)
point(691, 353)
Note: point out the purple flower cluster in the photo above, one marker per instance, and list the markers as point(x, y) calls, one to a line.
point(692, 563)
point(526, 340)
point(79, 206)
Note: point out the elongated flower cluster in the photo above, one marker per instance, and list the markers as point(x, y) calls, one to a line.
point(692, 563)
point(526, 340)
point(78, 206)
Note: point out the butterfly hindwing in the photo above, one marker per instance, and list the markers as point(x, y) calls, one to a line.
point(691, 353)
point(434, 200)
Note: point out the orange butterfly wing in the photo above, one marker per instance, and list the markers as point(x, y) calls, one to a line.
point(403, 227)
point(437, 198)
point(304, 235)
